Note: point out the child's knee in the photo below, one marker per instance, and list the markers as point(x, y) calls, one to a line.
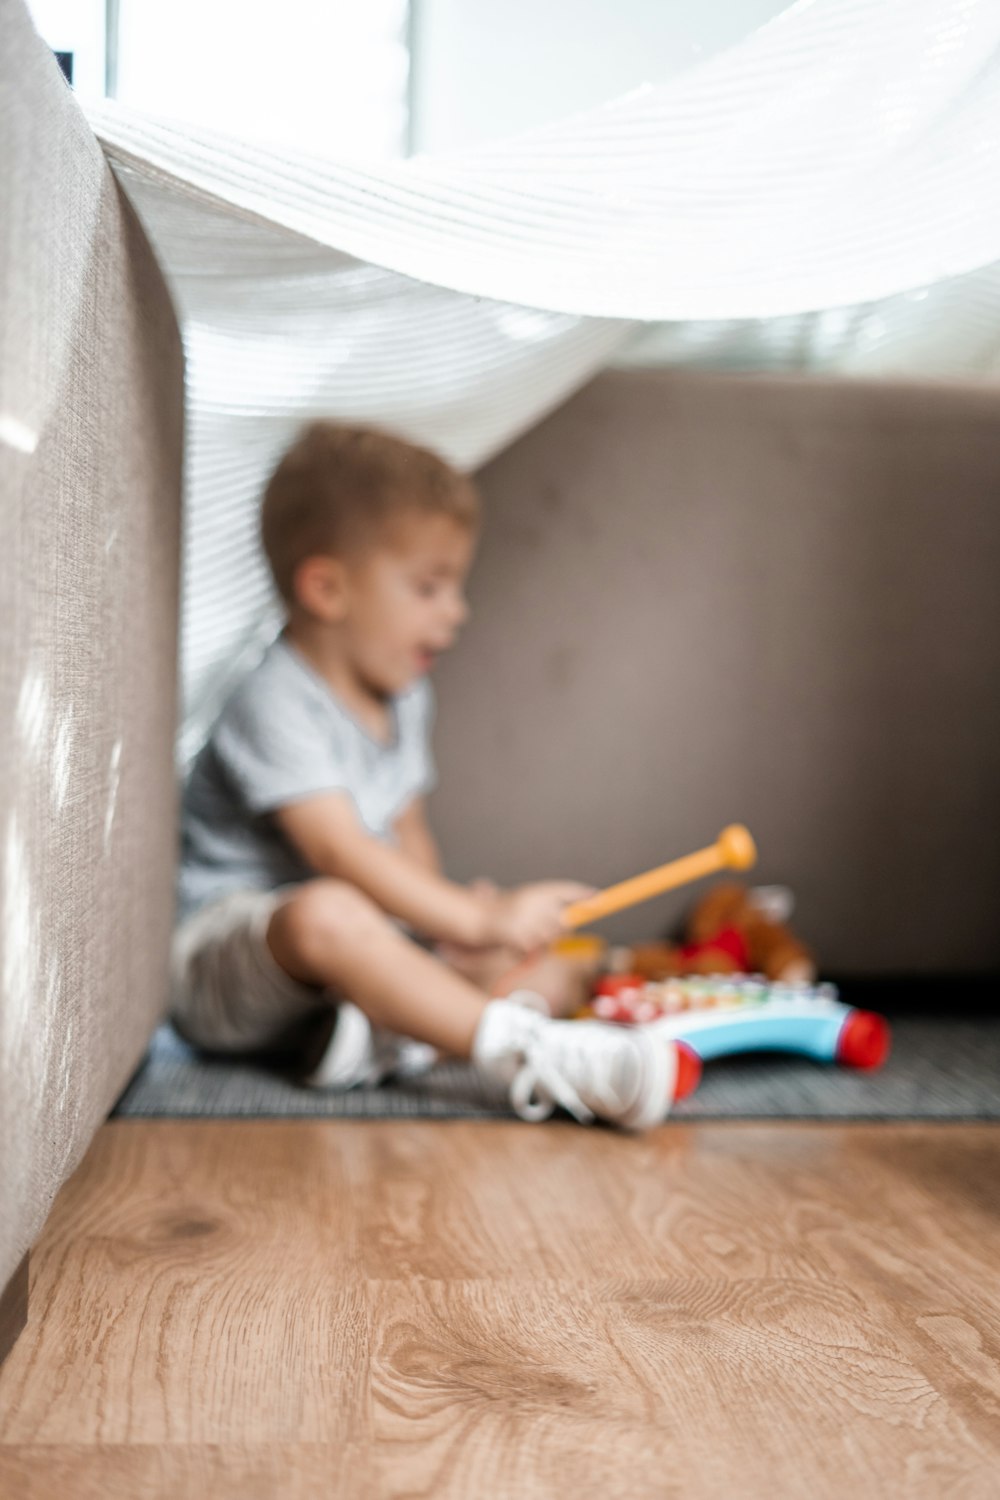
point(321, 917)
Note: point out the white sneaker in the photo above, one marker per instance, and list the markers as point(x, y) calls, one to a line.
point(625, 1074)
point(360, 1053)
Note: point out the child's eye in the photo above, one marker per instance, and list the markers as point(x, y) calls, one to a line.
point(426, 588)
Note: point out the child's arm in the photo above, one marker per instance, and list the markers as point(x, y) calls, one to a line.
point(415, 837)
point(331, 838)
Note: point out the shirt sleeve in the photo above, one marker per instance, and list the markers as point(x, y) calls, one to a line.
point(273, 748)
point(424, 768)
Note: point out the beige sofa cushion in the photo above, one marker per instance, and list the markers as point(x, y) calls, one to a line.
point(710, 598)
point(90, 467)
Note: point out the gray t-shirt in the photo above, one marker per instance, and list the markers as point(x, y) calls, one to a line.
point(283, 736)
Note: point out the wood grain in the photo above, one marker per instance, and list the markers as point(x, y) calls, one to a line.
point(341, 1308)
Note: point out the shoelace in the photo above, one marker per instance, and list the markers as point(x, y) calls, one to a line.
point(540, 1076)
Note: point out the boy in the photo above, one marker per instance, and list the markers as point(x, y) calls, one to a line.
point(307, 859)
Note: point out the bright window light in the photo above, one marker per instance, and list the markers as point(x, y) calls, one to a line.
point(325, 76)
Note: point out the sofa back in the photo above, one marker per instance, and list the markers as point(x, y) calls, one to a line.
point(710, 598)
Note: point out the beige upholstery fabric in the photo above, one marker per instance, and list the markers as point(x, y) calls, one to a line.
point(703, 599)
point(90, 457)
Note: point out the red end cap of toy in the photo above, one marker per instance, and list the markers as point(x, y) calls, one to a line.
point(688, 1071)
point(864, 1040)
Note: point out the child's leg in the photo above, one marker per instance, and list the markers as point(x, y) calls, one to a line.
point(327, 933)
point(226, 993)
point(565, 983)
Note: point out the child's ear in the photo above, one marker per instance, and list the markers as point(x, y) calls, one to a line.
point(321, 587)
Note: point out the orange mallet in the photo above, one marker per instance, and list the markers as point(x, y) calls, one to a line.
point(734, 849)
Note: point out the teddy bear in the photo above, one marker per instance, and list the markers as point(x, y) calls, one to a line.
point(733, 929)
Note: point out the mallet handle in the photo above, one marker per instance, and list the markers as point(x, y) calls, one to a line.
point(733, 850)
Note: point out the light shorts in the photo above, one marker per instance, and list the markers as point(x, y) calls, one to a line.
point(228, 993)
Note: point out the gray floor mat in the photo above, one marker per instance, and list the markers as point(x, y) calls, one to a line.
point(938, 1069)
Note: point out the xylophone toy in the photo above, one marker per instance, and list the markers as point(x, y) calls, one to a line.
point(716, 1015)
point(734, 849)
point(719, 1015)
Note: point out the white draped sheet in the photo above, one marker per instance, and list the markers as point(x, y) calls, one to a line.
point(822, 196)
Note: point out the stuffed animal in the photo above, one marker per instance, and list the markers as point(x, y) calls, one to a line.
point(731, 930)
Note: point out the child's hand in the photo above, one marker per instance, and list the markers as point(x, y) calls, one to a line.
point(530, 916)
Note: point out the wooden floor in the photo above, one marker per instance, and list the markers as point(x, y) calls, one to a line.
point(368, 1309)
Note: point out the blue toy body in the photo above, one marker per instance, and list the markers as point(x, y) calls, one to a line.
point(718, 1015)
point(812, 1027)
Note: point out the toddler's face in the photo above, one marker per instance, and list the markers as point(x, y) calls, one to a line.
point(407, 601)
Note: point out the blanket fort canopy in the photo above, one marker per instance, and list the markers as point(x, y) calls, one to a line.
point(820, 196)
